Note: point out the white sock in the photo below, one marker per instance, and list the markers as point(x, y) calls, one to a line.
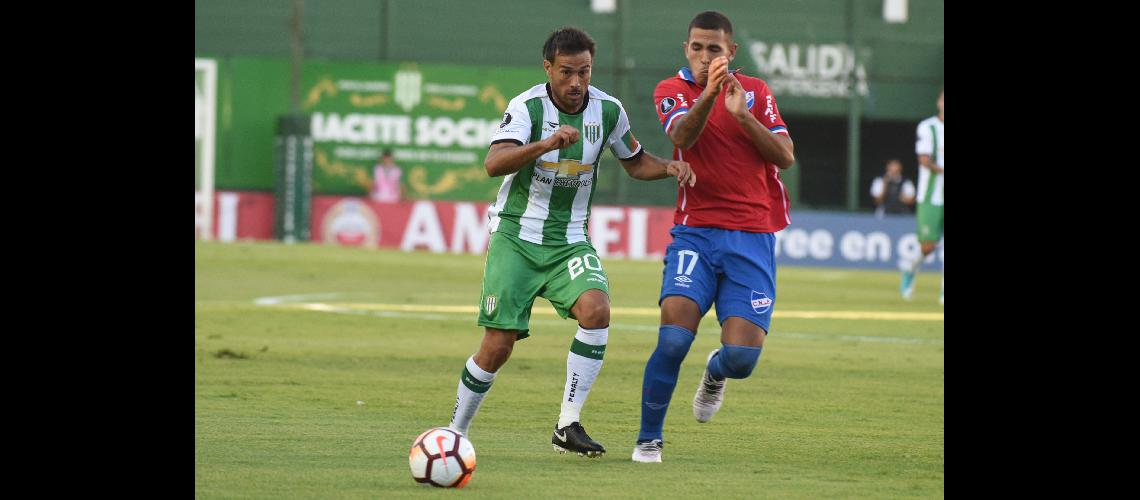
point(910, 265)
point(917, 263)
point(583, 363)
point(474, 383)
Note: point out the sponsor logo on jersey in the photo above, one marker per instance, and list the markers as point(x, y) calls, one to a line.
point(567, 167)
point(506, 120)
point(770, 112)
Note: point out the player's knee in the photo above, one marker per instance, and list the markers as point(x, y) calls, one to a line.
point(674, 341)
point(597, 316)
point(503, 351)
point(593, 312)
point(495, 351)
point(680, 311)
point(493, 357)
point(738, 361)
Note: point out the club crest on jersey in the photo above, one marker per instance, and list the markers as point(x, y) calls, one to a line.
point(667, 105)
point(593, 132)
point(749, 99)
point(489, 304)
point(760, 302)
point(506, 120)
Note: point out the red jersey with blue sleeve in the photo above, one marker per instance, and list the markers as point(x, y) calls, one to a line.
point(736, 189)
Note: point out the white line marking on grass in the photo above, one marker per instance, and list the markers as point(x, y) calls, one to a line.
point(448, 313)
point(285, 299)
point(297, 301)
point(860, 338)
point(382, 314)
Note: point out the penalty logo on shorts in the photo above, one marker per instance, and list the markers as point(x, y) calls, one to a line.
point(489, 304)
point(760, 302)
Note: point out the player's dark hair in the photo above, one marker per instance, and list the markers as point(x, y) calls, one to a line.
point(567, 40)
point(711, 20)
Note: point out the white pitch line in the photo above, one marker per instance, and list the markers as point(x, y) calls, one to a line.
point(431, 312)
point(616, 311)
point(286, 299)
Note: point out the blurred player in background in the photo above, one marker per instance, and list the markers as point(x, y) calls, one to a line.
point(931, 149)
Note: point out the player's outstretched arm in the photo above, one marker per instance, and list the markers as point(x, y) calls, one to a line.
point(648, 167)
point(506, 158)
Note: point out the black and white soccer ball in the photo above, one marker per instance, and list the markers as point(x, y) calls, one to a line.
point(443, 458)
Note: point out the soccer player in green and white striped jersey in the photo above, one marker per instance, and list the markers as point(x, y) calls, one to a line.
point(547, 149)
point(931, 149)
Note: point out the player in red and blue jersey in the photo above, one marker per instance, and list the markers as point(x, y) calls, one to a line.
point(728, 128)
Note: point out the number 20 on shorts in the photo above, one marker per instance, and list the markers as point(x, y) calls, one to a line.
point(588, 261)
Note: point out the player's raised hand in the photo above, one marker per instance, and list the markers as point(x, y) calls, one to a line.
point(734, 97)
point(682, 171)
point(718, 72)
point(564, 137)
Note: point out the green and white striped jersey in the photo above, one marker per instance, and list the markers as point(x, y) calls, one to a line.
point(931, 141)
point(548, 202)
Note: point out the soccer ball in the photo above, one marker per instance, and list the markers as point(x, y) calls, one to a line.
point(443, 458)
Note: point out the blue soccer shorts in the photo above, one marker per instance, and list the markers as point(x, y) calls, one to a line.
point(734, 269)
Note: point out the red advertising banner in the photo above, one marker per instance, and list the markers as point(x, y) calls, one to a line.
point(245, 215)
point(816, 238)
point(436, 226)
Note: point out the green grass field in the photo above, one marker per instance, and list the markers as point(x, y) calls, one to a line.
point(847, 406)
